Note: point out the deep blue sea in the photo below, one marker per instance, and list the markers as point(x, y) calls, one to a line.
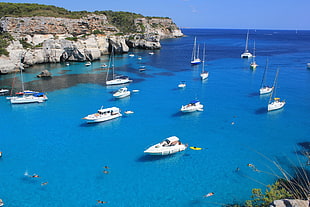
point(50, 139)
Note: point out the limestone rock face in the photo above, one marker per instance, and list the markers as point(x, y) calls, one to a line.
point(290, 203)
point(55, 40)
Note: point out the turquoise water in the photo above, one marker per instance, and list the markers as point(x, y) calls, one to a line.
point(50, 139)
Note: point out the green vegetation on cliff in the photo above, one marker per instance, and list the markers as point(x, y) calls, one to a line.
point(124, 21)
point(30, 10)
point(5, 39)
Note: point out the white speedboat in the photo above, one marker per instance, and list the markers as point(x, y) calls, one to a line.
point(169, 146)
point(3, 91)
point(246, 53)
point(1, 202)
point(308, 65)
point(103, 114)
point(192, 106)
point(121, 93)
point(88, 64)
point(182, 84)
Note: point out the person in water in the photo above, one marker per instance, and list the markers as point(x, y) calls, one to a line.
point(209, 194)
point(99, 202)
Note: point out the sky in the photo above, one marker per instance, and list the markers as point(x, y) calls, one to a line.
point(222, 14)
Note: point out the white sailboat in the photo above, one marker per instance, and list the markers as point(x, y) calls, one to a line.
point(195, 54)
point(264, 89)
point(246, 53)
point(253, 64)
point(274, 102)
point(24, 98)
point(204, 74)
point(116, 80)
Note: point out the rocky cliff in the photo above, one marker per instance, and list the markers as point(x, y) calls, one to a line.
point(50, 39)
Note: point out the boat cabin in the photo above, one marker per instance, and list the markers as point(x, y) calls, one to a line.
point(171, 141)
point(108, 111)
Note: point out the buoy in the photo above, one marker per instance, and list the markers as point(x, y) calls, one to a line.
point(128, 112)
point(196, 148)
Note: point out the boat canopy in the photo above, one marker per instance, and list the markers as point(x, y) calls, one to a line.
point(172, 139)
point(39, 94)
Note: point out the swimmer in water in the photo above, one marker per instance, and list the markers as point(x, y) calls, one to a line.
point(209, 194)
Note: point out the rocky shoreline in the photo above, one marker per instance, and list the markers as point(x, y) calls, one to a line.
point(51, 40)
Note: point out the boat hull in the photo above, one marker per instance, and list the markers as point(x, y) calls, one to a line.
point(191, 108)
point(118, 81)
point(121, 95)
point(90, 120)
point(265, 90)
point(204, 75)
point(276, 105)
point(165, 150)
point(27, 99)
point(246, 55)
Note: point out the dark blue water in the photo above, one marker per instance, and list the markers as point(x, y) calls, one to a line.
point(51, 139)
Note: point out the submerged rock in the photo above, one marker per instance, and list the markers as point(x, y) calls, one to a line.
point(44, 73)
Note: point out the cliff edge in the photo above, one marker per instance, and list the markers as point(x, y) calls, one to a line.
point(42, 39)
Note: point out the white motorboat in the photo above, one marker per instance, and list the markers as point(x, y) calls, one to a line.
point(103, 114)
point(1, 202)
point(88, 64)
point(274, 102)
point(182, 84)
point(308, 65)
point(192, 106)
point(122, 93)
point(204, 74)
point(264, 89)
point(195, 54)
point(169, 146)
point(3, 91)
point(246, 53)
point(116, 80)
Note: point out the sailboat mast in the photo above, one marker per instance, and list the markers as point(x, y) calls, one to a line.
point(22, 80)
point(194, 50)
point(274, 86)
point(264, 75)
point(246, 42)
point(203, 58)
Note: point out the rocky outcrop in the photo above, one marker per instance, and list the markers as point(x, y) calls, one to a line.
point(44, 74)
point(51, 40)
point(290, 203)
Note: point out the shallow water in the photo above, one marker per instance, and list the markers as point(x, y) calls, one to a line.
point(51, 140)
